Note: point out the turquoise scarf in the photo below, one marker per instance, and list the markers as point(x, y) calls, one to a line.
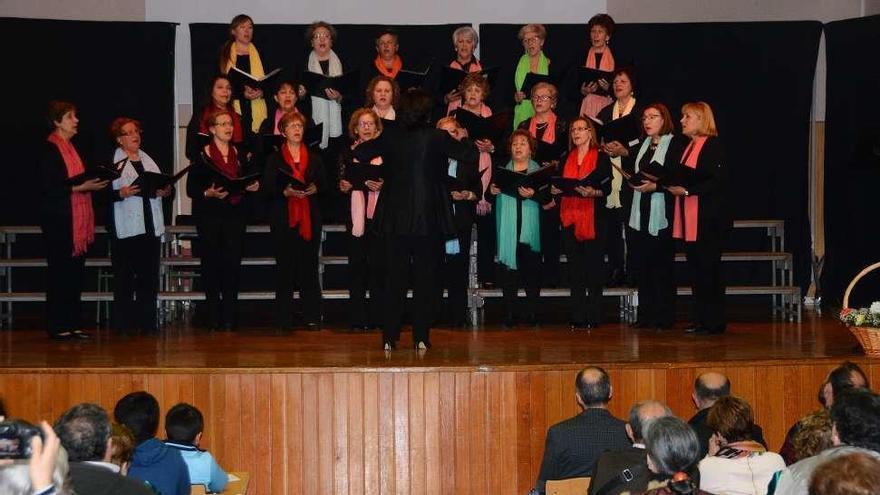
point(506, 223)
point(657, 219)
point(524, 109)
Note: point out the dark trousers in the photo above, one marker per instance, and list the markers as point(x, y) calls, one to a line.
point(704, 261)
point(528, 276)
point(135, 272)
point(221, 246)
point(425, 252)
point(550, 245)
point(654, 258)
point(65, 284)
point(455, 277)
point(366, 271)
point(486, 247)
point(614, 245)
point(587, 275)
point(296, 262)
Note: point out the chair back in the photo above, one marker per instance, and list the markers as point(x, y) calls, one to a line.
point(570, 486)
point(198, 490)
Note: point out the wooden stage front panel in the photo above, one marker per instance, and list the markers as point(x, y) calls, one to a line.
point(451, 421)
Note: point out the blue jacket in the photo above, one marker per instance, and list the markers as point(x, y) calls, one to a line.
point(203, 469)
point(160, 466)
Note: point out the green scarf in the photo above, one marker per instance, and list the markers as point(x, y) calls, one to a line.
point(506, 223)
point(524, 109)
point(657, 221)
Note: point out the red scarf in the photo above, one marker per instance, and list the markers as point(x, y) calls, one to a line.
point(237, 134)
point(396, 65)
point(80, 202)
point(229, 166)
point(579, 211)
point(298, 208)
point(473, 67)
point(686, 227)
point(549, 136)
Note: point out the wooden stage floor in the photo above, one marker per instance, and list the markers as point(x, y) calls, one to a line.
point(180, 348)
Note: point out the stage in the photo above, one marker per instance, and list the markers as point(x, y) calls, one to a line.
point(330, 412)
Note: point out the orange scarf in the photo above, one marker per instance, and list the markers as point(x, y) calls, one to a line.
point(396, 65)
point(298, 211)
point(549, 136)
point(579, 211)
point(685, 223)
point(80, 202)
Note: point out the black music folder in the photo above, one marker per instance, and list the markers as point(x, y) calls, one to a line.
point(583, 75)
point(286, 178)
point(100, 172)
point(509, 181)
point(478, 127)
point(626, 130)
point(532, 79)
point(240, 79)
point(597, 179)
point(451, 78)
point(150, 182)
point(346, 84)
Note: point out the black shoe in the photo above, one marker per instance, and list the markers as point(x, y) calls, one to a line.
point(80, 335)
point(509, 322)
point(61, 336)
point(708, 330)
point(693, 329)
point(313, 326)
point(531, 320)
point(641, 324)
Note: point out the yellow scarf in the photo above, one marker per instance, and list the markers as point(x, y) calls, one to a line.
point(259, 111)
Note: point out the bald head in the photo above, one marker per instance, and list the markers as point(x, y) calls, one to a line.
point(593, 387)
point(709, 387)
point(641, 414)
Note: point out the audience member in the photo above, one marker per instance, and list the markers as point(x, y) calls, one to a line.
point(154, 462)
point(184, 425)
point(43, 473)
point(736, 463)
point(673, 450)
point(814, 435)
point(573, 446)
point(84, 431)
point(855, 420)
point(121, 447)
point(626, 470)
point(851, 474)
point(708, 388)
point(846, 376)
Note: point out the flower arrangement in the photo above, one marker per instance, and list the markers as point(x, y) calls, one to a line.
point(862, 317)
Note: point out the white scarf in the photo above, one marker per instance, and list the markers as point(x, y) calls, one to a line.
point(324, 111)
point(390, 114)
point(613, 200)
point(128, 214)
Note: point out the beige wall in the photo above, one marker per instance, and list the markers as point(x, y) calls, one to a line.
point(85, 10)
point(736, 10)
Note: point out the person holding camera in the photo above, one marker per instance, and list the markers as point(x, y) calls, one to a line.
point(32, 461)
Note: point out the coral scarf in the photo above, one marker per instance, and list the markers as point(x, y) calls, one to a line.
point(593, 103)
point(685, 224)
point(549, 136)
point(80, 202)
point(474, 66)
point(579, 211)
point(229, 166)
point(298, 211)
point(259, 111)
point(363, 206)
point(396, 65)
point(237, 134)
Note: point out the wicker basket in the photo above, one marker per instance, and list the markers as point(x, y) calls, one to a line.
point(868, 337)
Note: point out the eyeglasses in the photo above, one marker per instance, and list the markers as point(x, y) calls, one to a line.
point(648, 117)
point(295, 125)
point(223, 124)
point(366, 123)
point(530, 40)
point(320, 36)
point(542, 98)
point(579, 129)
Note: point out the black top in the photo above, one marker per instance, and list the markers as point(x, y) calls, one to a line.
point(200, 179)
point(194, 144)
point(711, 187)
point(56, 216)
point(98, 480)
point(325, 66)
point(557, 150)
point(415, 199)
point(673, 155)
point(273, 190)
point(242, 63)
point(465, 210)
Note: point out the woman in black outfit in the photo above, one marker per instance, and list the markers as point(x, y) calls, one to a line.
point(583, 218)
point(136, 226)
point(701, 215)
point(293, 178)
point(220, 218)
point(366, 251)
point(240, 52)
point(465, 189)
point(650, 220)
point(219, 97)
point(68, 222)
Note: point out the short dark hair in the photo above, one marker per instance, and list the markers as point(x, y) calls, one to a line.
point(139, 412)
point(2, 407)
point(732, 418)
point(704, 393)
point(310, 31)
point(183, 423)
point(84, 430)
point(856, 416)
point(672, 445)
point(603, 20)
point(533, 143)
point(415, 109)
point(593, 393)
point(630, 74)
point(56, 111)
point(387, 30)
point(841, 378)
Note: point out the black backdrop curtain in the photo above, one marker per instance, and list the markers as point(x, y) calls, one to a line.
point(284, 45)
point(108, 69)
point(852, 158)
point(757, 76)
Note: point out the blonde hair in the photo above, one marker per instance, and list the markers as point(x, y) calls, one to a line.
point(448, 120)
point(707, 118)
point(538, 29)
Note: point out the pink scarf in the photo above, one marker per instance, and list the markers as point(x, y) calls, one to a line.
point(483, 206)
point(474, 67)
point(688, 231)
point(549, 136)
point(363, 208)
point(80, 202)
point(593, 103)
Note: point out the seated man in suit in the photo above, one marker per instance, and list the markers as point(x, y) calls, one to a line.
point(573, 446)
point(84, 431)
point(626, 470)
point(708, 388)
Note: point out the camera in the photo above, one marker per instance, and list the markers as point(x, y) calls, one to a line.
point(15, 439)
